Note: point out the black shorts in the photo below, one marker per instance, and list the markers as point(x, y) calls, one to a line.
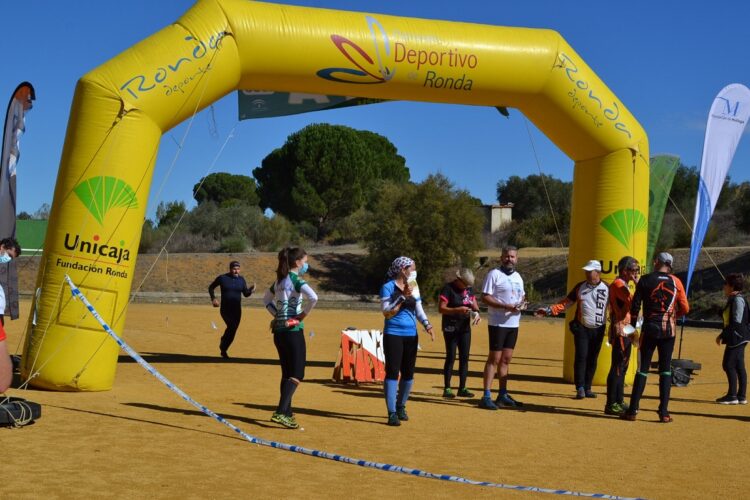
point(502, 338)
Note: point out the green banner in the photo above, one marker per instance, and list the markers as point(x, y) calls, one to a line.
point(266, 104)
point(663, 168)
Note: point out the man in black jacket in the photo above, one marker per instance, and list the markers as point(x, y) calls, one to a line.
point(232, 287)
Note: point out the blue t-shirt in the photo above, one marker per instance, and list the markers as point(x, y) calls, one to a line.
point(404, 323)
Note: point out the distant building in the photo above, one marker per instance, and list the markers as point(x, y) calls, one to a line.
point(497, 216)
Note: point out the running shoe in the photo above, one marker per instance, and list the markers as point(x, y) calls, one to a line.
point(624, 406)
point(507, 401)
point(286, 421)
point(665, 419)
point(589, 393)
point(727, 400)
point(580, 393)
point(465, 393)
point(448, 393)
point(630, 417)
point(224, 355)
point(393, 419)
point(487, 403)
point(742, 401)
point(401, 413)
point(614, 409)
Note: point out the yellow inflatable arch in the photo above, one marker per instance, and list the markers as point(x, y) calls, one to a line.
point(121, 109)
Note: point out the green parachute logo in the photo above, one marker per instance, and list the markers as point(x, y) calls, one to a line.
point(623, 224)
point(100, 194)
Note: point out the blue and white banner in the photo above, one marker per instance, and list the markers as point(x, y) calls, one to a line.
point(726, 123)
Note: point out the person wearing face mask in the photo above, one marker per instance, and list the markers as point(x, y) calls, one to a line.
point(505, 298)
point(289, 300)
point(233, 287)
point(459, 307)
point(591, 297)
point(9, 250)
point(402, 308)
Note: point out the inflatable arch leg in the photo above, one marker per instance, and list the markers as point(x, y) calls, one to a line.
point(121, 109)
point(602, 229)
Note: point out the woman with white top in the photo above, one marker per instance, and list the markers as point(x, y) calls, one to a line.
point(289, 300)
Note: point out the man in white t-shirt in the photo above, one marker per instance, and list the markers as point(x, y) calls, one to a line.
point(503, 293)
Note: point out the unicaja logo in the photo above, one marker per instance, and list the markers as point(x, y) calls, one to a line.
point(101, 194)
point(96, 248)
point(623, 224)
point(364, 68)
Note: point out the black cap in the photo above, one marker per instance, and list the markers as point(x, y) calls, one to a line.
point(234, 263)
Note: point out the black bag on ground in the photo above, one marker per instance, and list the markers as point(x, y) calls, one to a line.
point(17, 412)
point(680, 376)
point(682, 371)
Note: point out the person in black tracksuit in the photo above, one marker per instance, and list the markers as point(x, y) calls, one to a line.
point(735, 336)
point(232, 287)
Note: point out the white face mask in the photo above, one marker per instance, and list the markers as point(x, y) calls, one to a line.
point(5, 258)
point(412, 277)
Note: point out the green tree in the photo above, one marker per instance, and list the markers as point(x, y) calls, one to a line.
point(432, 222)
point(222, 187)
point(741, 207)
point(529, 196)
point(325, 172)
point(169, 213)
point(684, 189)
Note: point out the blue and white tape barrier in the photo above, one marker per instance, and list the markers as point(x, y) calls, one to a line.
point(307, 451)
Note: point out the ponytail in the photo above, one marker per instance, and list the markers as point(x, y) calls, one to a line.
point(288, 257)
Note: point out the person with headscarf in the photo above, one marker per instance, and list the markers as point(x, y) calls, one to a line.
point(459, 308)
point(402, 307)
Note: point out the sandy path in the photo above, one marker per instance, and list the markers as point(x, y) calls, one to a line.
point(140, 440)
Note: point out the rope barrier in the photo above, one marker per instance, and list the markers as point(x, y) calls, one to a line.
point(308, 451)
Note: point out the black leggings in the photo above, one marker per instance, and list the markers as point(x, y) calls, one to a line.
point(588, 343)
point(621, 349)
point(462, 341)
point(292, 354)
point(231, 316)
point(734, 365)
point(665, 347)
point(400, 356)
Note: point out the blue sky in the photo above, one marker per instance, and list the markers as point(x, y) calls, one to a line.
point(665, 60)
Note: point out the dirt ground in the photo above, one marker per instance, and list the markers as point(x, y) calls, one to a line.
point(140, 440)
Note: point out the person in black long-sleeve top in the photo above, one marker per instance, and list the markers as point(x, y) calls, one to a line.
point(735, 335)
point(233, 287)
